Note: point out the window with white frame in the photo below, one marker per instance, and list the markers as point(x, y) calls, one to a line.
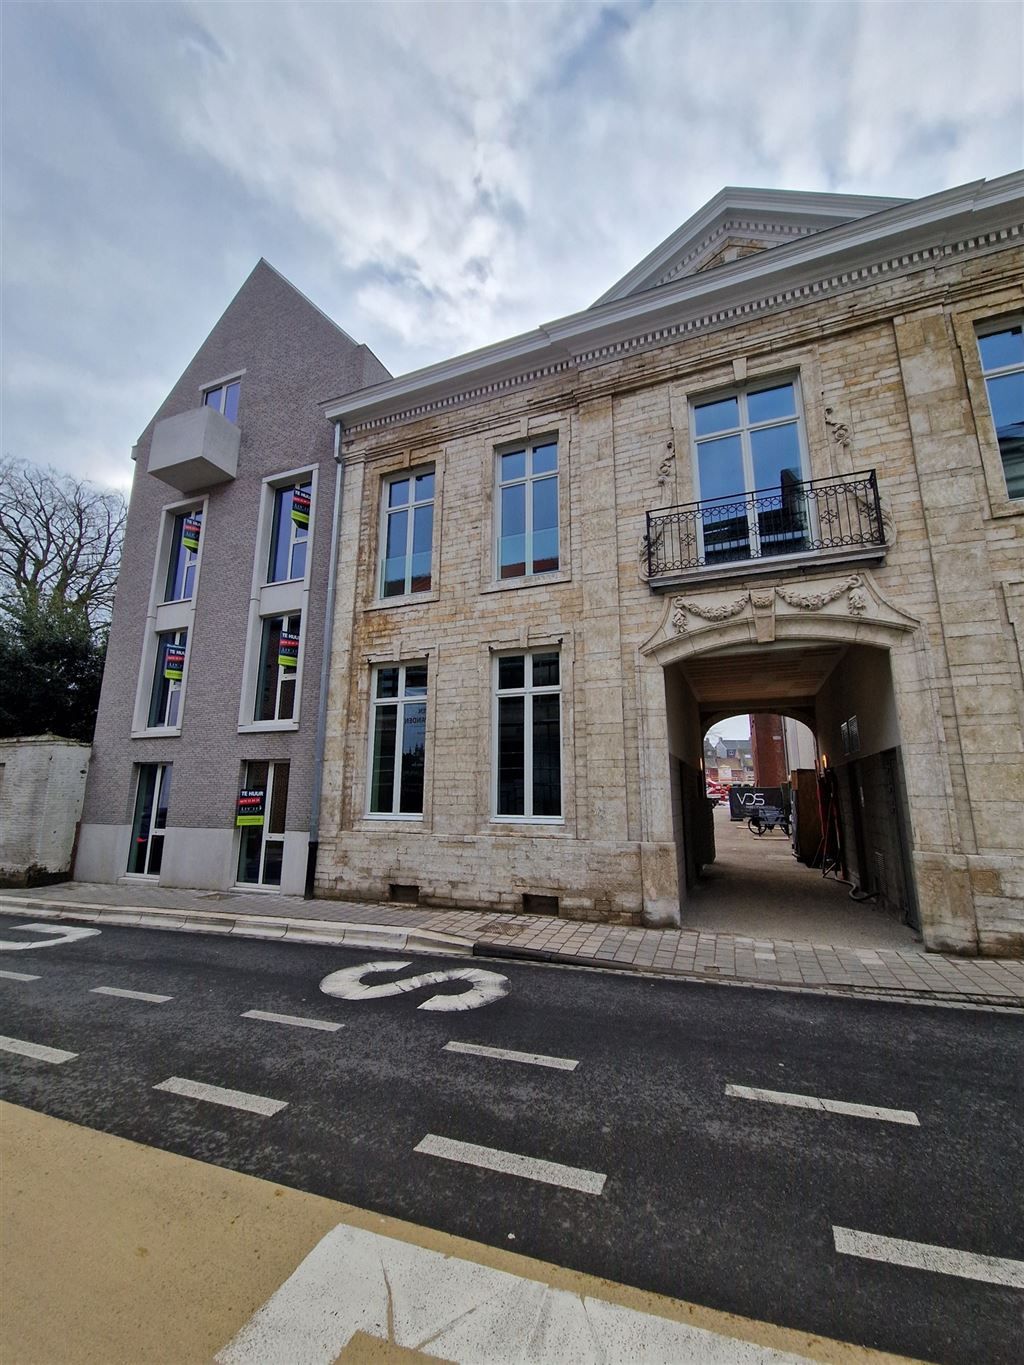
point(406, 533)
point(289, 532)
point(261, 820)
point(528, 736)
point(1001, 346)
point(398, 738)
point(183, 560)
point(278, 668)
point(750, 471)
point(224, 398)
point(527, 510)
point(168, 676)
point(152, 797)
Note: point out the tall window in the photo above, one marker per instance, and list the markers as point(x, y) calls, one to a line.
point(224, 398)
point(262, 806)
point(184, 556)
point(528, 701)
point(165, 698)
point(749, 442)
point(528, 510)
point(289, 536)
point(398, 739)
point(1002, 360)
point(279, 662)
point(150, 822)
point(407, 534)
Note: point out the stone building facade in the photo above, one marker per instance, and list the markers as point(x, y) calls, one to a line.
point(217, 646)
point(761, 474)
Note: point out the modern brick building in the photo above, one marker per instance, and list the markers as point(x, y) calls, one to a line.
point(777, 467)
point(216, 658)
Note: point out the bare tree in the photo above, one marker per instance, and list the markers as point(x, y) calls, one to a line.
point(60, 543)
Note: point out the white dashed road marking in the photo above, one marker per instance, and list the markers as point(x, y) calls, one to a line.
point(36, 1050)
point(215, 1094)
point(511, 1163)
point(966, 1265)
point(131, 995)
point(859, 1111)
point(505, 1055)
point(268, 1017)
point(18, 976)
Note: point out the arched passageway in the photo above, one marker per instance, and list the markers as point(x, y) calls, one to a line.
point(735, 882)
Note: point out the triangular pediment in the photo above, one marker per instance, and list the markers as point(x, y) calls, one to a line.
point(738, 223)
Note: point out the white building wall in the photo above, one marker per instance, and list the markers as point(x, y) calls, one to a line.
point(42, 786)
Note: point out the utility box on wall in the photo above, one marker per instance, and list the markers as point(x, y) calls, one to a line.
point(42, 786)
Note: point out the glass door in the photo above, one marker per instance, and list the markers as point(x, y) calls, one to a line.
point(151, 801)
point(261, 845)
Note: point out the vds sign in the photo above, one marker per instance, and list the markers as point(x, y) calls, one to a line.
point(745, 801)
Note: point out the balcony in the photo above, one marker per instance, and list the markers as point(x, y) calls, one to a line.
point(194, 450)
point(814, 521)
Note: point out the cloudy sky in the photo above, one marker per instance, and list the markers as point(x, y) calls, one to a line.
point(435, 177)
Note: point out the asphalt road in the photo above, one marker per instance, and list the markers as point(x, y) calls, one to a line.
point(709, 1197)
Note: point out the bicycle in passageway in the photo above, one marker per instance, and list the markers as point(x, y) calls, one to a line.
point(768, 818)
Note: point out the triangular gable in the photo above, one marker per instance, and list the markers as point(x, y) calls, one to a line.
point(739, 222)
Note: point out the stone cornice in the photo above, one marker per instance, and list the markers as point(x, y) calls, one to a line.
point(906, 238)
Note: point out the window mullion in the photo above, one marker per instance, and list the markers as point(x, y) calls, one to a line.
point(410, 523)
point(396, 780)
point(527, 737)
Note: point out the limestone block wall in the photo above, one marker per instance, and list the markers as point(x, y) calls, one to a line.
point(42, 787)
point(888, 380)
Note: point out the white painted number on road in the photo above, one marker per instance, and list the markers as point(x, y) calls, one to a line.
point(484, 989)
point(63, 933)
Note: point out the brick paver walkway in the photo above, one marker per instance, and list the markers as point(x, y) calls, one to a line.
point(693, 953)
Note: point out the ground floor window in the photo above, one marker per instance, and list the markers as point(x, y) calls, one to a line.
point(150, 822)
point(262, 806)
point(528, 732)
point(398, 739)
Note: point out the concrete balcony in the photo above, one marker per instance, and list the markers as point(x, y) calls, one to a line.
point(194, 450)
point(821, 521)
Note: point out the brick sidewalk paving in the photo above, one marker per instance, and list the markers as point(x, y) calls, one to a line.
point(692, 953)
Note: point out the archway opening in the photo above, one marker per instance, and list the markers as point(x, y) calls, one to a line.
point(814, 732)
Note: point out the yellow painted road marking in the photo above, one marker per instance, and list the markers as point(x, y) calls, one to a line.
point(105, 1241)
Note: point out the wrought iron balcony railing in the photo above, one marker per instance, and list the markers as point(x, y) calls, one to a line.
point(798, 517)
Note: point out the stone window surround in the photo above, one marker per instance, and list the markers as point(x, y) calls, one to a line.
point(399, 703)
point(533, 430)
point(527, 692)
point(528, 640)
point(402, 654)
point(968, 322)
point(752, 384)
point(163, 617)
point(396, 466)
point(411, 472)
point(288, 598)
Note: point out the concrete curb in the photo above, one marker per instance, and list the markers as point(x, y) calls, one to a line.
point(897, 996)
point(433, 941)
point(324, 932)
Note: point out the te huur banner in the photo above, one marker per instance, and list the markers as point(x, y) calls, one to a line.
point(190, 533)
point(174, 662)
point(288, 650)
point(251, 806)
point(747, 801)
point(301, 503)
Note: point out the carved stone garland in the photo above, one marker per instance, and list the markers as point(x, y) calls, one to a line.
point(853, 587)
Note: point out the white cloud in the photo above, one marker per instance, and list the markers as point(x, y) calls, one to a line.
point(434, 176)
